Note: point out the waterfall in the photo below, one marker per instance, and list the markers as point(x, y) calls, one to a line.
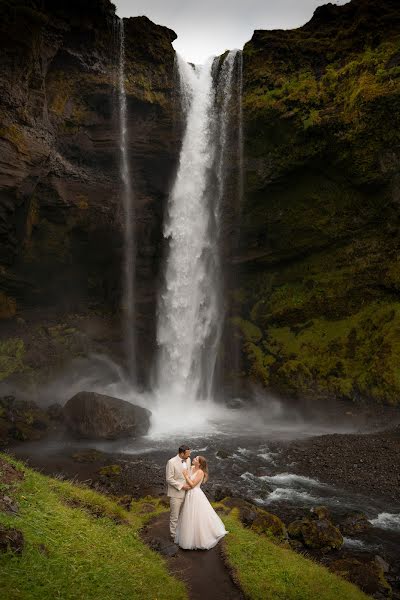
point(190, 306)
point(185, 322)
point(128, 205)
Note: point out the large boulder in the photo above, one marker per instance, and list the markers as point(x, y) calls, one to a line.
point(318, 534)
point(96, 416)
point(366, 573)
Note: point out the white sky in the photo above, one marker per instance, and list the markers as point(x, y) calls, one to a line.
point(209, 27)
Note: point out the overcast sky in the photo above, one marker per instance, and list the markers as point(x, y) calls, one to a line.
point(208, 27)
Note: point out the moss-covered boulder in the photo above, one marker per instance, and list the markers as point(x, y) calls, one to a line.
point(367, 574)
point(22, 420)
point(354, 523)
point(270, 525)
point(318, 534)
point(258, 519)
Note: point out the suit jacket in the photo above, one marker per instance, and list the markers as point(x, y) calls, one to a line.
point(175, 478)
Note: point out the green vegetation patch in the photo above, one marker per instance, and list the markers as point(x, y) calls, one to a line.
point(267, 571)
point(80, 544)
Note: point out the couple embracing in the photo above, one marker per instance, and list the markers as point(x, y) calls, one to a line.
point(194, 524)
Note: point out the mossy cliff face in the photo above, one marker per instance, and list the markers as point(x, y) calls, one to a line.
point(318, 307)
point(61, 218)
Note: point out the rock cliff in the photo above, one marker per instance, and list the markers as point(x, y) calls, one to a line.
point(61, 221)
point(318, 305)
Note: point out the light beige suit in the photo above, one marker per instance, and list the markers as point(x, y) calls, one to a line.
point(175, 483)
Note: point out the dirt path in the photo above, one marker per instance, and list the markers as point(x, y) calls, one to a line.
point(203, 571)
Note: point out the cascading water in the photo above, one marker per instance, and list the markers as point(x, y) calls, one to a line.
point(128, 204)
point(186, 316)
point(190, 307)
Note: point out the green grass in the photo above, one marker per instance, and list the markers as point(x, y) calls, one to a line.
point(92, 547)
point(267, 571)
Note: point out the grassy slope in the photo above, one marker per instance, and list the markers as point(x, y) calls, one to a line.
point(81, 544)
point(269, 572)
point(86, 556)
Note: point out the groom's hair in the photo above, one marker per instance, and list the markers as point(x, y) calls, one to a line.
point(183, 449)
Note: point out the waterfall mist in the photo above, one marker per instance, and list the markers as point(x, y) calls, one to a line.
point(129, 215)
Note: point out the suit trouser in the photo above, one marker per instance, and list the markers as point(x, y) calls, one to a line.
point(175, 505)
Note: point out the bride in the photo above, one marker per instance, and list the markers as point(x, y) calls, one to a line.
point(199, 527)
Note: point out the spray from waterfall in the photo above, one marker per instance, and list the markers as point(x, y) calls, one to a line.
point(129, 213)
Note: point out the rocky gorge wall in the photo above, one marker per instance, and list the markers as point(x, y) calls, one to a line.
point(61, 220)
point(316, 303)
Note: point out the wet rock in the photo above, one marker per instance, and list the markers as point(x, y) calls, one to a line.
point(270, 525)
point(318, 534)
point(366, 574)
point(320, 512)
point(223, 454)
point(296, 545)
point(11, 540)
point(354, 523)
point(96, 416)
point(22, 420)
point(164, 547)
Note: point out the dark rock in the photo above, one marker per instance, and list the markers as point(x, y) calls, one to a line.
point(318, 534)
point(354, 523)
point(366, 574)
point(320, 512)
point(11, 540)
point(92, 415)
point(296, 545)
point(223, 454)
point(22, 420)
point(270, 525)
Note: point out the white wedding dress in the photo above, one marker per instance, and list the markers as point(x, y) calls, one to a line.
point(199, 527)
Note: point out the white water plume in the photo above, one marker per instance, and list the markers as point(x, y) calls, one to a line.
point(187, 307)
point(128, 204)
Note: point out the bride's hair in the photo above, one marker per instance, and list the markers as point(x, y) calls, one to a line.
point(203, 467)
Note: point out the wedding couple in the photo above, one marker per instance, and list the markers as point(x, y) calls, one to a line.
point(194, 524)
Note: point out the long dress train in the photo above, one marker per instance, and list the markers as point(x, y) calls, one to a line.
point(199, 527)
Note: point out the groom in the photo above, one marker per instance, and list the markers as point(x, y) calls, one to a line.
point(177, 485)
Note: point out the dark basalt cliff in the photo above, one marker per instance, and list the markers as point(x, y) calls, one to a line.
point(61, 220)
point(318, 300)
